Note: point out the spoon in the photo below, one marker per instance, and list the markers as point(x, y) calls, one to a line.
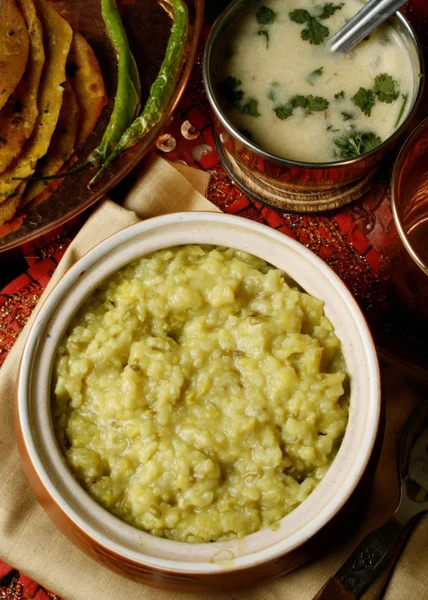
point(382, 546)
point(366, 20)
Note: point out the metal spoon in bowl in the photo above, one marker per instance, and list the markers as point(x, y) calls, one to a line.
point(380, 548)
point(366, 20)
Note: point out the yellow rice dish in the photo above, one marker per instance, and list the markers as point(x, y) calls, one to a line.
point(199, 395)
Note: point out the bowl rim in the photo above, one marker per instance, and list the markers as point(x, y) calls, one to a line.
point(216, 108)
point(395, 181)
point(38, 335)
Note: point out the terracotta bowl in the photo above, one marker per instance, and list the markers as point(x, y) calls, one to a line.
point(138, 555)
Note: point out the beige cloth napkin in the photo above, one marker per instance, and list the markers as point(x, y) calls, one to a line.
point(31, 543)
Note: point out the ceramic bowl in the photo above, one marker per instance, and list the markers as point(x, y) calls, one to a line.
point(157, 561)
point(296, 185)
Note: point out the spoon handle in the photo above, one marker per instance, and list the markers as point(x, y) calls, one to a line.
point(379, 548)
point(373, 14)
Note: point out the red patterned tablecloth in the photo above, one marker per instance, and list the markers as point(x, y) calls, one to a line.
point(359, 242)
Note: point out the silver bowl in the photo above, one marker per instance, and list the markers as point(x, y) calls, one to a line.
point(289, 184)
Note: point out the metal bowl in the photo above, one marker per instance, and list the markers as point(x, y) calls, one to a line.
point(289, 184)
point(409, 193)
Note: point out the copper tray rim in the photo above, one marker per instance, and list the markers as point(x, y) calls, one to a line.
point(146, 144)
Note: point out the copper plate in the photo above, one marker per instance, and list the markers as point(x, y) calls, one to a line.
point(148, 26)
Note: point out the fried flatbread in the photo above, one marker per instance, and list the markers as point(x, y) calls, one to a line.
point(14, 47)
point(54, 185)
point(10, 206)
point(88, 84)
point(57, 34)
point(61, 147)
point(19, 115)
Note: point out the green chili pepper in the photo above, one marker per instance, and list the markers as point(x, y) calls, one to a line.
point(162, 88)
point(128, 93)
point(127, 101)
point(119, 134)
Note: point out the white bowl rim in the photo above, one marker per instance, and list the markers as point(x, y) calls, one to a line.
point(194, 558)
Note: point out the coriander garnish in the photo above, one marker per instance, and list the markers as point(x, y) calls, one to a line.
point(273, 92)
point(402, 109)
point(250, 108)
point(364, 99)
point(347, 116)
point(314, 32)
point(329, 9)
point(265, 16)
point(309, 103)
point(355, 143)
point(233, 96)
point(229, 90)
point(299, 101)
point(283, 111)
point(385, 88)
point(314, 75)
point(266, 34)
point(339, 96)
point(316, 104)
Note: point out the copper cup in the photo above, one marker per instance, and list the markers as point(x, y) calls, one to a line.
point(288, 184)
point(409, 192)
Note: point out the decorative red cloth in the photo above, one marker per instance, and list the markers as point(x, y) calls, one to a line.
point(358, 242)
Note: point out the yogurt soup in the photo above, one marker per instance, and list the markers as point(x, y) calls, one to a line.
point(282, 88)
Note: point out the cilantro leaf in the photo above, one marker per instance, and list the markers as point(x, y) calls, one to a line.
point(273, 92)
point(314, 75)
point(250, 108)
point(339, 96)
point(299, 101)
point(385, 88)
point(317, 104)
point(402, 109)
point(266, 34)
point(299, 15)
point(347, 116)
point(315, 32)
point(370, 141)
point(329, 9)
point(283, 111)
point(355, 143)
point(364, 99)
point(265, 15)
point(228, 89)
point(309, 103)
